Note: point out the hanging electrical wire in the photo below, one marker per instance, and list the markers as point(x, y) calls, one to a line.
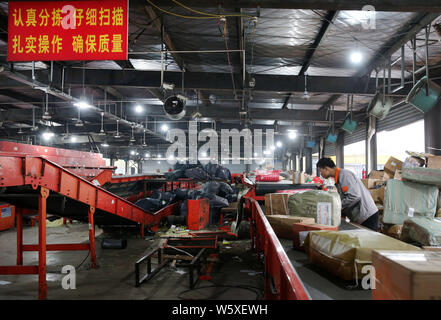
point(228, 56)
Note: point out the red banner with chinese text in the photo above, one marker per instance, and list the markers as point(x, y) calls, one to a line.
point(67, 30)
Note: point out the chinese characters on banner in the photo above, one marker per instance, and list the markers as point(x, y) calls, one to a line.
point(67, 30)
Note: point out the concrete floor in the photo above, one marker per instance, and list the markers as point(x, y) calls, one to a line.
point(114, 279)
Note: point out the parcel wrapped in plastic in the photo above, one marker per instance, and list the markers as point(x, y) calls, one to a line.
point(423, 231)
point(344, 253)
point(403, 200)
point(323, 206)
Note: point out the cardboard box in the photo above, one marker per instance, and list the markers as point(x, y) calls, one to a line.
point(378, 175)
point(434, 162)
point(301, 230)
point(282, 225)
point(378, 195)
point(371, 183)
point(413, 161)
point(407, 275)
point(299, 177)
point(276, 204)
point(395, 231)
point(392, 165)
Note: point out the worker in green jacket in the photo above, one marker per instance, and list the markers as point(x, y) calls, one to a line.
point(357, 203)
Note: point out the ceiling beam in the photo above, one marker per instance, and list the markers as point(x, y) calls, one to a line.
point(328, 20)
point(212, 112)
point(209, 81)
point(379, 5)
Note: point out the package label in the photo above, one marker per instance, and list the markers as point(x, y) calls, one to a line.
point(324, 213)
point(6, 212)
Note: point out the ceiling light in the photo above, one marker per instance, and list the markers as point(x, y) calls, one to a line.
point(278, 144)
point(273, 147)
point(356, 57)
point(159, 162)
point(82, 104)
point(104, 144)
point(292, 135)
point(204, 154)
point(255, 154)
point(164, 127)
point(147, 155)
point(73, 139)
point(139, 108)
point(159, 155)
point(168, 86)
point(266, 152)
point(46, 115)
point(133, 152)
point(47, 135)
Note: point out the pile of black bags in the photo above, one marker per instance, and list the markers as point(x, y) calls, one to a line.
point(209, 171)
point(219, 194)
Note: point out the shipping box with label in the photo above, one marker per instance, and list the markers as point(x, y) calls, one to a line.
point(282, 225)
point(410, 275)
point(392, 165)
point(276, 204)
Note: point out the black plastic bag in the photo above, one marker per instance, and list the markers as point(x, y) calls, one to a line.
point(211, 187)
point(231, 197)
point(197, 173)
point(224, 189)
point(223, 173)
point(181, 194)
point(150, 204)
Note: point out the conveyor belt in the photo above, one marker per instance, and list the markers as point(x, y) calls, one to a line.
point(70, 196)
point(320, 284)
point(263, 188)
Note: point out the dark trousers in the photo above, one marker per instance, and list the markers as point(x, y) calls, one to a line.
point(371, 222)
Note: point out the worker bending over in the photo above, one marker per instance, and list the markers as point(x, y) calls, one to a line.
point(356, 201)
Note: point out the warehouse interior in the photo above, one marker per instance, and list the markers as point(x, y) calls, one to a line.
point(88, 181)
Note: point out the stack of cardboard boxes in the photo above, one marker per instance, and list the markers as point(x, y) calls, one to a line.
point(377, 179)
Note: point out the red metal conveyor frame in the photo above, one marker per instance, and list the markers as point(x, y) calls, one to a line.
point(40, 173)
point(281, 280)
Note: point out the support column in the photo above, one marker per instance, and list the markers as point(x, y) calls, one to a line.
point(42, 284)
point(92, 237)
point(339, 150)
point(294, 162)
point(301, 169)
point(432, 130)
point(308, 154)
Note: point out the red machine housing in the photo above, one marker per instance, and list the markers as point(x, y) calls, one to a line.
point(198, 215)
point(7, 216)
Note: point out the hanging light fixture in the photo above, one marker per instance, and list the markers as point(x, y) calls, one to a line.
point(102, 132)
point(117, 135)
point(34, 127)
point(79, 122)
point(132, 138)
point(144, 144)
point(306, 95)
point(46, 115)
point(20, 131)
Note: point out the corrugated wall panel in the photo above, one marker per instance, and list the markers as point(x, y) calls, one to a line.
point(399, 117)
point(358, 135)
